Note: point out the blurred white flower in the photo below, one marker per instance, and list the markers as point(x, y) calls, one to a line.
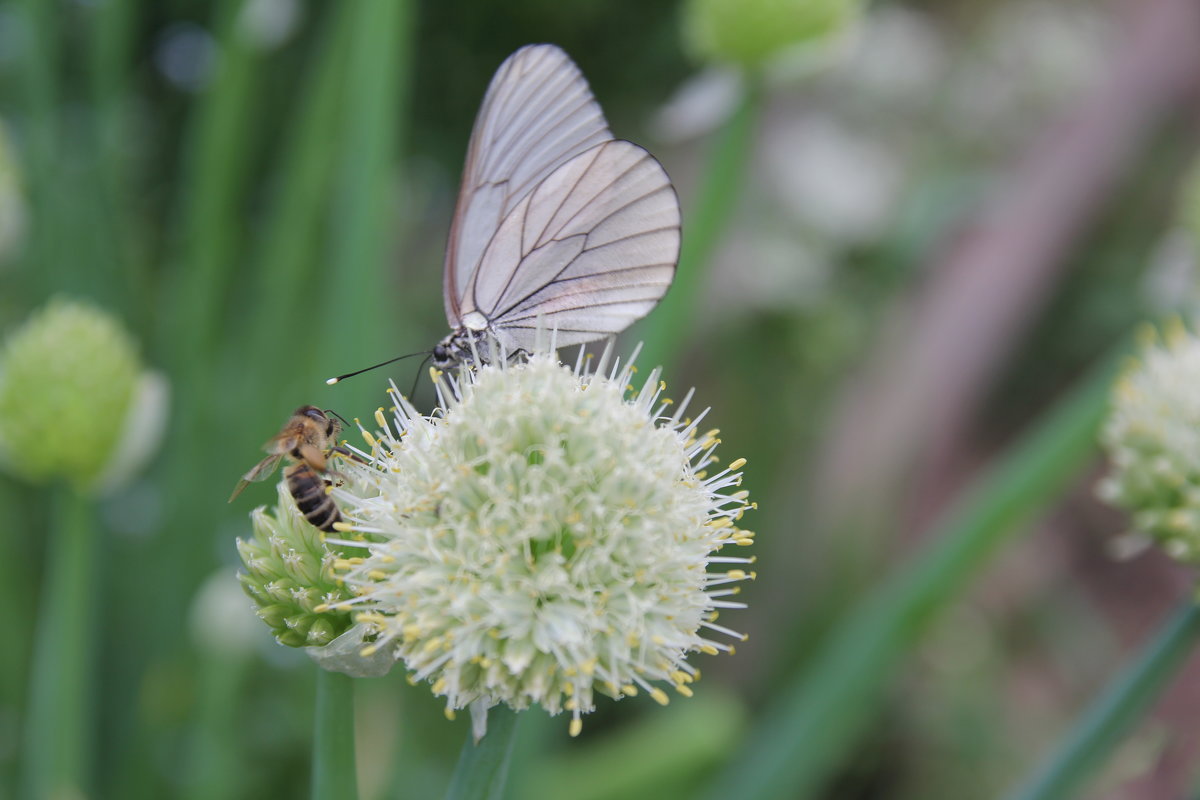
point(1170, 279)
point(220, 619)
point(13, 208)
point(1153, 439)
point(898, 58)
point(267, 24)
point(699, 105)
point(830, 176)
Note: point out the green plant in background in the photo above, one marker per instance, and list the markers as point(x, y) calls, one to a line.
point(79, 411)
point(246, 219)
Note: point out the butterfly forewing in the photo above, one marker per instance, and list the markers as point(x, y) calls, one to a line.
point(537, 114)
point(589, 251)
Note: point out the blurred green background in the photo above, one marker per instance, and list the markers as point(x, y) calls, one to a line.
point(936, 224)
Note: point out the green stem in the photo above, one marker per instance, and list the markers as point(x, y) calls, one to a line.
point(334, 772)
point(215, 759)
point(58, 718)
point(818, 718)
point(669, 326)
point(1109, 718)
point(482, 768)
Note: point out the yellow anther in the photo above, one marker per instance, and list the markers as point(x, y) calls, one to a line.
point(321, 609)
point(708, 649)
point(344, 527)
point(449, 712)
point(571, 705)
point(377, 574)
point(659, 696)
point(576, 724)
point(736, 575)
point(738, 464)
point(368, 651)
point(369, 439)
point(380, 419)
point(630, 690)
point(439, 686)
point(686, 691)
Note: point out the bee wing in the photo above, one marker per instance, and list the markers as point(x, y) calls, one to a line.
point(586, 253)
point(259, 472)
point(537, 114)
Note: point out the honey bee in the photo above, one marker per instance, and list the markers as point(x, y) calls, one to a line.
point(307, 439)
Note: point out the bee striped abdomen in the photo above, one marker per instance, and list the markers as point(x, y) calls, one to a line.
point(308, 490)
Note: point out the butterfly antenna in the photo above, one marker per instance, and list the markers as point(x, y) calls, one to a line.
point(417, 379)
point(332, 381)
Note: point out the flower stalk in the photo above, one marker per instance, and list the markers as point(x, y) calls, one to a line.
point(59, 715)
point(482, 769)
point(335, 775)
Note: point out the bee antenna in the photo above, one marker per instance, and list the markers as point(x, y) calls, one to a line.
point(332, 381)
point(345, 424)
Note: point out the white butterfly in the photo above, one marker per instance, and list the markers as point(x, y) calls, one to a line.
point(558, 225)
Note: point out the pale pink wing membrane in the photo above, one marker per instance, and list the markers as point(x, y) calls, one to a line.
point(537, 114)
point(592, 249)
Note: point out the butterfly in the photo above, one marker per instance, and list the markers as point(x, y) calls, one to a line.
point(559, 226)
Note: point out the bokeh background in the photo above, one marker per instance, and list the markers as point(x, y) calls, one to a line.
point(927, 227)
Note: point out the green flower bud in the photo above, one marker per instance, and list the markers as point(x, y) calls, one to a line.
point(1153, 439)
point(74, 401)
point(750, 32)
point(289, 577)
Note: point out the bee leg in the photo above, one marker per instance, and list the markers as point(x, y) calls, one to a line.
point(348, 453)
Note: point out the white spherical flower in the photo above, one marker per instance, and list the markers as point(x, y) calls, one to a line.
point(544, 536)
point(1153, 439)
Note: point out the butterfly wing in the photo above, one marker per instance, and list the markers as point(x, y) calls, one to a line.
point(589, 251)
point(537, 114)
